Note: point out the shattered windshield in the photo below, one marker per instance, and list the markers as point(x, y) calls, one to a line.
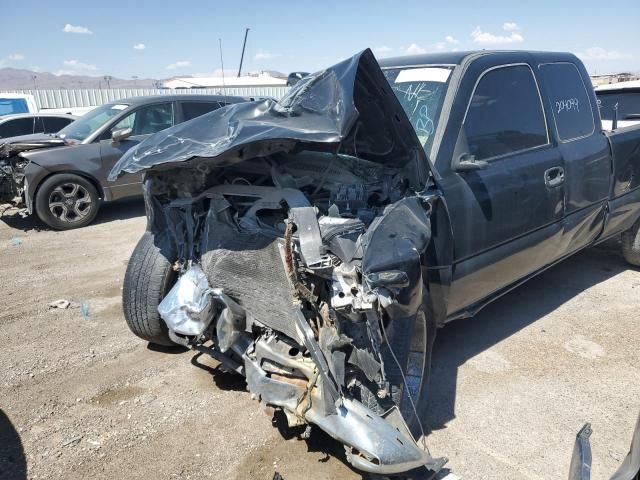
point(420, 91)
point(92, 121)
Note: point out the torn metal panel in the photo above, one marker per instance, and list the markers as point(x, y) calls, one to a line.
point(580, 468)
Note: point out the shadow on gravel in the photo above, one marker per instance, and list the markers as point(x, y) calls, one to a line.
point(461, 340)
point(13, 464)
point(118, 210)
point(169, 350)
point(223, 380)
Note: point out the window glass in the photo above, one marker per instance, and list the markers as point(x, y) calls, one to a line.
point(195, 109)
point(18, 126)
point(628, 105)
point(569, 100)
point(148, 120)
point(13, 105)
point(505, 114)
point(86, 125)
point(55, 124)
point(421, 93)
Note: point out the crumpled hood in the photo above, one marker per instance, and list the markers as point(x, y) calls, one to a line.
point(349, 107)
point(13, 145)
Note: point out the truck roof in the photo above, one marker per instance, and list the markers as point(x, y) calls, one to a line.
point(457, 58)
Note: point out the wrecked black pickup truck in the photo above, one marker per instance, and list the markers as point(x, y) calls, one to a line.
point(315, 244)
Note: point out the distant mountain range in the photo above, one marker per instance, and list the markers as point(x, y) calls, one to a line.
point(21, 79)
point(16, 78)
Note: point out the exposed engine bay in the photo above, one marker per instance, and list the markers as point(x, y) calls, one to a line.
point(278, 285)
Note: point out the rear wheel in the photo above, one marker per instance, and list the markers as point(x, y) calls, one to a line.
point(631, 244)
point(67, 201)
point(148, 279)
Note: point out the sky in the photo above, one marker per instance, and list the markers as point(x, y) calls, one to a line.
point(162, 39)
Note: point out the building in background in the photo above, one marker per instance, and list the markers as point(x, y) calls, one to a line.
point(609, 78)
point(261, 79)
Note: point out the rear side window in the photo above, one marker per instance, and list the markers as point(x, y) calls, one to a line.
point(505, 114)
point(195, 109)
point(55, 124)
point(628, 104)
point(569, 100)
point(13, 105)
point(18, 126)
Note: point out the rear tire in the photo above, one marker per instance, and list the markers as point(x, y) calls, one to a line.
point(66, 201)
point(631, 244)
point(148, 279)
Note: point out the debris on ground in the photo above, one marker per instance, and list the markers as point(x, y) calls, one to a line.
point(72, 441)
point(16, 241)
point(85, 310)
point(60, 304)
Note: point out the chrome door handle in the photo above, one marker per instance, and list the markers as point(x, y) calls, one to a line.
point(554, 177)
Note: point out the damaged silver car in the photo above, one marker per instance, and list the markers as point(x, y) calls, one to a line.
point(289, 248)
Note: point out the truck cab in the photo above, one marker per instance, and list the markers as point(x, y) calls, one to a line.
point(517, 149)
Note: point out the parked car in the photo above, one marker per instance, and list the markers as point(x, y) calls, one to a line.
point(619, 104)
point(12, 103)
point(316, 245)
point(63, 177)
point(29, 123)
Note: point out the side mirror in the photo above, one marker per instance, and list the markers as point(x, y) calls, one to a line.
point(120, 134)
point(467, 162)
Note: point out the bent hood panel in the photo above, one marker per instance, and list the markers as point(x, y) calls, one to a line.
point(13, 145)
point(349, 108)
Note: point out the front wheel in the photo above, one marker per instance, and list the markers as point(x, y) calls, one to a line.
point(631, 244)
point(67, 201)
point(148, 279)
point(408, 345)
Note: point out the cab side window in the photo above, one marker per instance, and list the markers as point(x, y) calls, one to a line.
point(195, 109)
point(148, 120)
point(55, 124)
point(505, 114)
point(569, 100)
point(627, 103)
point(15, 127)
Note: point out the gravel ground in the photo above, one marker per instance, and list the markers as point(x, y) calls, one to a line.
point(81, 397)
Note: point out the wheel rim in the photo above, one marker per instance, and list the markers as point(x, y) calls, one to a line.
point(70, 202)
point(415, 365)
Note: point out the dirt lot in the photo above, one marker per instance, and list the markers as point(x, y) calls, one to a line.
point(80, 397)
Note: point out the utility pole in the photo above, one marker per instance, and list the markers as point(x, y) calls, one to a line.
point(244, 44)
point(221, 61)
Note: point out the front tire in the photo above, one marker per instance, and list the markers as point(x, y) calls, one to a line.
point(631, 244)
point(66, 201)
point(148, 279)
point(411, 341)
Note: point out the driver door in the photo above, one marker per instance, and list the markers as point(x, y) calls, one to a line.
point(506, 218)
point(143, 121)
